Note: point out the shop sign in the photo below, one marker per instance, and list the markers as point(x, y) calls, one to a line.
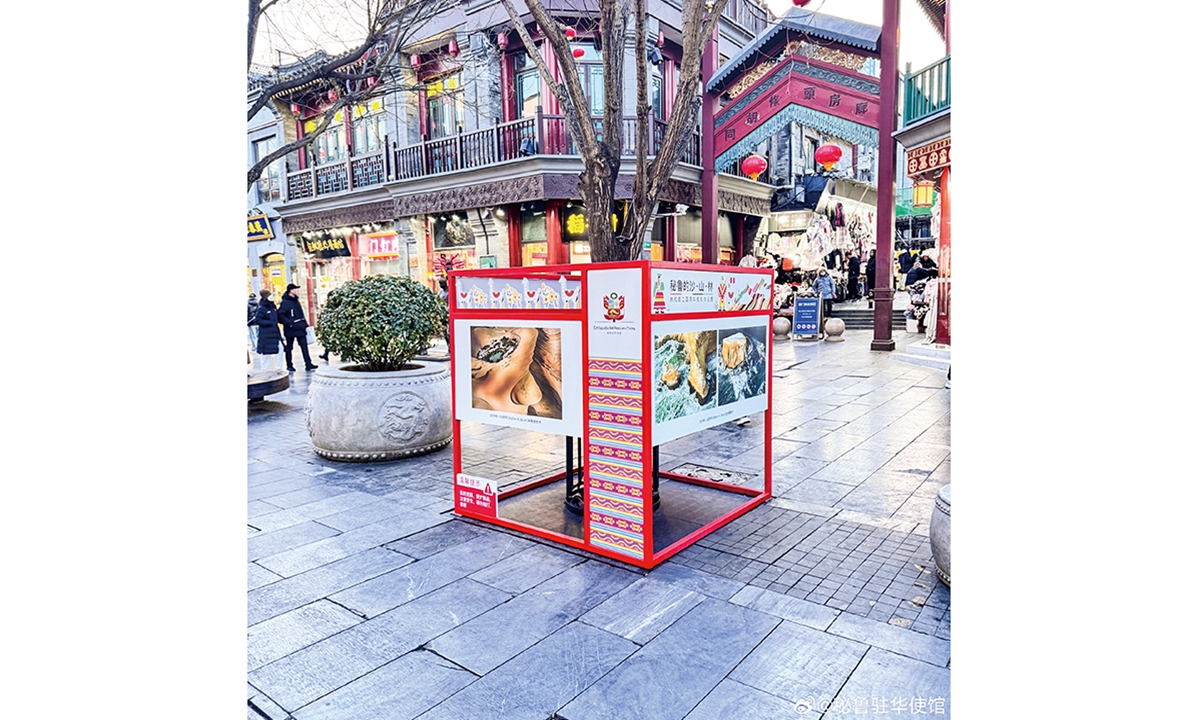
point(806, 317)
point(934, 156)
point(258, 227)
point(326, 246)
point(383, 244)
point(487, 261)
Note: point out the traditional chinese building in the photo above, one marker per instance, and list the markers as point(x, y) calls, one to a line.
point(475, 168)
point(925, 135)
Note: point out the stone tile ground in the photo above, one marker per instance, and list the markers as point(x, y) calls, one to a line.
point(368, 598)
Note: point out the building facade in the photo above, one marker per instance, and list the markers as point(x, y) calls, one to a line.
point(470, 163)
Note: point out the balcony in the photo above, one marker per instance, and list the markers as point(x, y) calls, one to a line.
point(926, 92)
point(540, 134)
point(353, 173)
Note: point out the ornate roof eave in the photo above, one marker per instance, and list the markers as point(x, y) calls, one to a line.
point(815, 26)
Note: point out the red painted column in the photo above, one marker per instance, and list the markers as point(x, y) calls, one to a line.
point(889, 45)
point(709, 239)
point(556, 251)
point(942, 335)
point(514, 235)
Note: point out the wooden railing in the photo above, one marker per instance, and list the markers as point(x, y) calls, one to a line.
point(927, 91)
point(353, 173)
point(540, 134)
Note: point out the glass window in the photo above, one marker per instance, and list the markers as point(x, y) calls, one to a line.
point(529, 93)
point(656, 99)
point(370, 128)
point(329, 146)
point(591, 77)
point(444, 105)
point(270, 181)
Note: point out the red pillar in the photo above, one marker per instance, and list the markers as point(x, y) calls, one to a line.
point(710, 240)
point(556, 251)
point(942, 335)
point(889, 45)
point(514, 235)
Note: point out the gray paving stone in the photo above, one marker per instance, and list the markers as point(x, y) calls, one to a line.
point(265, 544)
point(643, 610)
point(898, 640)
point(290, 593)
point(255, 508)
point(690, 658)
point(257, 576)
point(282, 483)
point(884, 675)
point(702, 582)
point(783, 606)
point(799, 663)
point(311, 511)
point(818, 492)
point(284, 634)
point(403, 688)
point(323, 552)
point(298, 679)
point(302, 496)
point(365, 515)
point(438, 538)
point(541, 680)
point(518, 573)
point(388, 590)
point(731, 699)
point(488, 641)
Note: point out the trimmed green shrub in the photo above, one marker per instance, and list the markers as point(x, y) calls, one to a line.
point(380, 322)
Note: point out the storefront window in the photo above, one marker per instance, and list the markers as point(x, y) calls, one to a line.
point(443, 104)
point(370, 128)
point(534, 250)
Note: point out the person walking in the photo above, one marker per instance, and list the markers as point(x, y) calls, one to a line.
point(871, 275)
point(824, 289)
point(852, 268)
point(266, 317)
point(252, 329)
point(295, 327)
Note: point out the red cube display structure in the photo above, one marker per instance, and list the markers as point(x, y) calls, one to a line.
point(619, 359)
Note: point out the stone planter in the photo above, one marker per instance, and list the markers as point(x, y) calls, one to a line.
point(360, 416)
point(939, 534)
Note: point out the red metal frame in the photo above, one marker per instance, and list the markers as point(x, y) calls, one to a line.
point(649, 558)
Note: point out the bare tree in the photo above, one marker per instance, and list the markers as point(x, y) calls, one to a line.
point(602, 155)
point(368, 69)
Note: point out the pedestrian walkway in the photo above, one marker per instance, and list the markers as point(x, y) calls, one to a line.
point(369, 598)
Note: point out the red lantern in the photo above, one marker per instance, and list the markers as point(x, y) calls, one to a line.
point(502, 40)
point(827, 155)
point(578, 52)
point(754, 165)
point(332, 95)
point(800, 3)
point(570, 33)
point(452, 48)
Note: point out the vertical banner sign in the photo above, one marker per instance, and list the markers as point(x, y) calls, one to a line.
point(615, 422)
point(806, 318)
point(476, 496)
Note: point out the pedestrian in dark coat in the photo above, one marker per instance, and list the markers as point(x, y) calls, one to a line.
point(871, 274)
point(852, 275)
point(267, 319)
point(295, 327)
point(252, 333)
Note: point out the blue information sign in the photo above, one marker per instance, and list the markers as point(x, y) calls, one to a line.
point(806, 316)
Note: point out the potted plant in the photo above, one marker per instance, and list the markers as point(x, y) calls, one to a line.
point(378, 404)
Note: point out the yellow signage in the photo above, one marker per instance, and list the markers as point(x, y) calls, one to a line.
point(258, 228)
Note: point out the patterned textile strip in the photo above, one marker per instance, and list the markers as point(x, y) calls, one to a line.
point(615, 456)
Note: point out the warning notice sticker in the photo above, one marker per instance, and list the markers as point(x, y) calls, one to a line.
point(476, 496)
